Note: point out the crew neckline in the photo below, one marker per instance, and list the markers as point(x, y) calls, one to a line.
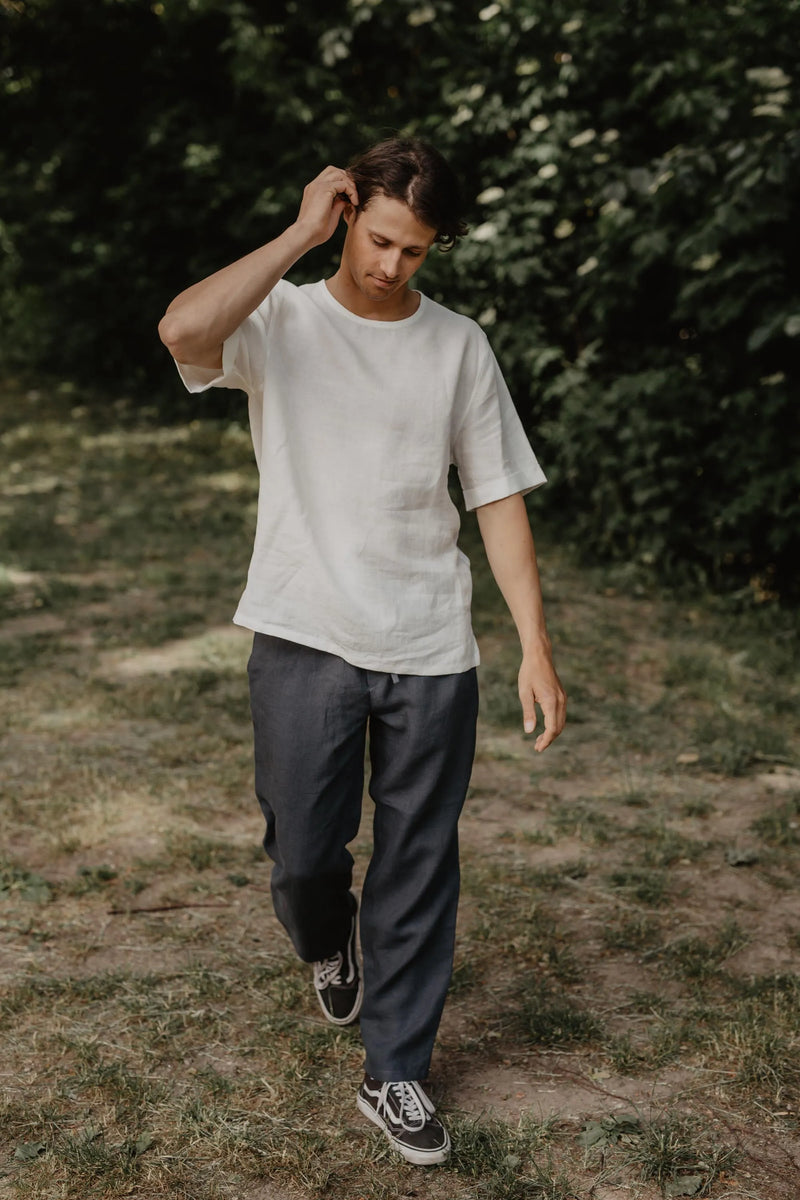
point(372, 322)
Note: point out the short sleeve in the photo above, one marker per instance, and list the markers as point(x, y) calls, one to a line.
point(491, 451)
point(244, 353)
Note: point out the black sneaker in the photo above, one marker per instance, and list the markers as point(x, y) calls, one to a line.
point(338, 982)
point(405, 1114)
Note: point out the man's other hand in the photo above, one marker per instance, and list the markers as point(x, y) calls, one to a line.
point(539, 684)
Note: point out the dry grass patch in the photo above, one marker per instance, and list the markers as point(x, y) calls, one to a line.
point(624, 1014)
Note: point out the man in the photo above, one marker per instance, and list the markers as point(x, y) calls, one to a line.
point(362, 392)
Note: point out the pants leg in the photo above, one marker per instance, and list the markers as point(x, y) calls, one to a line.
point(422, 744)
point(310, 712)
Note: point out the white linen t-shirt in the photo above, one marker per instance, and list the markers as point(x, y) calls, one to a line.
point(355, 423)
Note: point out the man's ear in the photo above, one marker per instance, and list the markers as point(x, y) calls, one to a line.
point(349, 212)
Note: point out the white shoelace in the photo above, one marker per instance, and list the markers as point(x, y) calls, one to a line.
point(328, 973)
point(413, 1113)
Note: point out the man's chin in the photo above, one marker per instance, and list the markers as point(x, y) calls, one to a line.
point(376, 292)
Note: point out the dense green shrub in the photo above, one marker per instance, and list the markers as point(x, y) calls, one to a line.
point(632, 171)
point(637, 262)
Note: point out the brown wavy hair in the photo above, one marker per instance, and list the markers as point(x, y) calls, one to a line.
point(413, 171)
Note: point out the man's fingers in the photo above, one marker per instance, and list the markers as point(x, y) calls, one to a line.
point(343, 186)
point(349, 190)
point(551, 698)
point(555, 713)
point(544, 739)
point(528, 711)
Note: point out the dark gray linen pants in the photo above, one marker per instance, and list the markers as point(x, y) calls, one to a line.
point(311, 713)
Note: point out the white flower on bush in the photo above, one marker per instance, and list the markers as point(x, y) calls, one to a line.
point(421, 16)
point(490, 11)
point(768, 110)
point(610, 135)
point(528, 66)
point(582, 139)
point(488, 316)
point(333, 46)
point(768, 78)
point(539, 124)
point(490, 195)
point(476, 92)
point(463, 113)
point(610, 207)
point(484, 232)
point(587, 266)
point(572, 26)
point(564, 228)
point(547, 171)
point(706, 261)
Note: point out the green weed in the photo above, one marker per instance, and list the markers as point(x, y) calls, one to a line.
point(547, 1017)
point(731, 745)
point(647, 885)
point(697, 807)
point(781, 825)
point(507, 1161)
point(663, 846)
point(585, 820)
point(638, 932)
point(672, 1149)
point(699, 959)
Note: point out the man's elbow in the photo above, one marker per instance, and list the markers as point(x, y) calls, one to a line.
point(173, 335)
point(184, 345)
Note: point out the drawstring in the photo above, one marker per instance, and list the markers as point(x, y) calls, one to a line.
point(395, 678)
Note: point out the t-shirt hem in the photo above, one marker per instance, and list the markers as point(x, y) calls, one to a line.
point(498, 489)
point(430, 664)
point(198, 379)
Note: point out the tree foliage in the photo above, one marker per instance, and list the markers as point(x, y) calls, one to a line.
point(632, 174)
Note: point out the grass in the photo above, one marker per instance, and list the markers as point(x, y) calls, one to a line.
point(158, 1037)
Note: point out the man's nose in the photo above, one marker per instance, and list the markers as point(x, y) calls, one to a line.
point(390, 263)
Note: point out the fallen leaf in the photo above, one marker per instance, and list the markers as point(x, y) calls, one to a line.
point(608, 1131)
point(592, 1133)
point(143, 1143)
point(27, 1151)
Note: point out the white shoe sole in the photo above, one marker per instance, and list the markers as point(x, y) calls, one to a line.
point(420, 1158)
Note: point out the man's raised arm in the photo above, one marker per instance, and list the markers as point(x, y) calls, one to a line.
point(506, 534)
point(199, 320)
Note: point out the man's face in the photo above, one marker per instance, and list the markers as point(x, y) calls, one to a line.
point(385, 245)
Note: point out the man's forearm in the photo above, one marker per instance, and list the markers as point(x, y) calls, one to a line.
point(510, 549)
point(507, 537)
point(198, 321)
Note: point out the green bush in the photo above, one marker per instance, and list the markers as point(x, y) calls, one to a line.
point(632, 177)
point(636, 264)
